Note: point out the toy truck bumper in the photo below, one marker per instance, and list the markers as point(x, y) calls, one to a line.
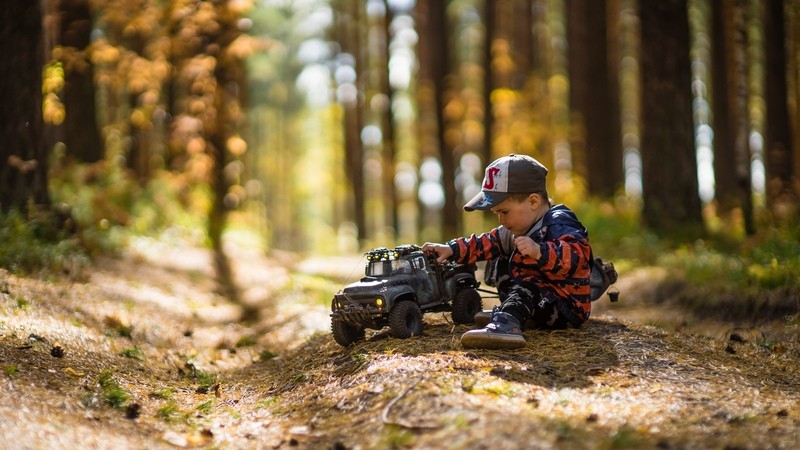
point(355, 313)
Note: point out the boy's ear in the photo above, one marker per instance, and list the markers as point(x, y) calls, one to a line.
point(534, 200)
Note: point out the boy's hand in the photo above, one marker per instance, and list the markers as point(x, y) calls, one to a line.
point(528, 247)
point(441, 251)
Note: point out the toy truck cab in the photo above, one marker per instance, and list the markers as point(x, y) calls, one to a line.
point(400, 285)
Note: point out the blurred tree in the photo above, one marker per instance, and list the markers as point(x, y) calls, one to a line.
point(348, 35)
point(384, 106)
point(731, 146)
point(438, 31)
point(669, 178)
point(781, 195)
point(434, 75)
point(793, 63)
point(23, 157)
point(489, 18)
point(81, 134)
point(594, 94)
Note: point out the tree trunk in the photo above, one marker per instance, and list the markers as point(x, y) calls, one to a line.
point(387, 128)
point(522, 42)
point(781, 197)
point(451, 211)
point(671, 200)
point(731, 146)
point(349, 22)
point(488, 82)
point(81, 133)
point(23, 156)
point(229, 77)
point(594, 97)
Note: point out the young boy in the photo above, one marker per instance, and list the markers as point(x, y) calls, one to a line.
point(546, 246)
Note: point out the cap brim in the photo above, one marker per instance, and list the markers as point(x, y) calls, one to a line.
point(486, 200)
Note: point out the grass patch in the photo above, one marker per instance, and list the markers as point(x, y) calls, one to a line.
point(163, 394)
point(38, 243)
point(266, 355)
point(133, 353)
point(267, 402)
point(246, 341)
point(11, 370)
point(205, 408)
point(170, 412)
point(112, 392)
point(396, 437)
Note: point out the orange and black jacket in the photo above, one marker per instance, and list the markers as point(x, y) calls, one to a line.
point(562, 272)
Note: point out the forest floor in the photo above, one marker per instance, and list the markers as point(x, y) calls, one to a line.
point(142, 353)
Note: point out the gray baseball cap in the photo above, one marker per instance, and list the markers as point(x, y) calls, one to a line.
point(512, 174)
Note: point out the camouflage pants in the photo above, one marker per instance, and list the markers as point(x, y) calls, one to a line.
point(524, 301)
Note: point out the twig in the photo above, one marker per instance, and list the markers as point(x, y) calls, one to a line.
point(385, 413)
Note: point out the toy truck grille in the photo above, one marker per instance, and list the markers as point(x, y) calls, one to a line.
point(356, 310)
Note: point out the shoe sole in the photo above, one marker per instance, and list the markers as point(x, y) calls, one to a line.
point(485, 340)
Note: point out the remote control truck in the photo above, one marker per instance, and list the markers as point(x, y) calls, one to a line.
point(400, 285)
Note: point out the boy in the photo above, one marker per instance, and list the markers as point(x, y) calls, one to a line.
point(546, 246)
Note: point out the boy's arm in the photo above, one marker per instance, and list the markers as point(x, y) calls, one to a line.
point(442, 251)
point(468, 250)
point(567, 255)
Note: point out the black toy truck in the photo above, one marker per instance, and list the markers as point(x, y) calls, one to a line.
point(400, 285)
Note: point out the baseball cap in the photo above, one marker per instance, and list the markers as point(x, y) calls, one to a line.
point(511, 174)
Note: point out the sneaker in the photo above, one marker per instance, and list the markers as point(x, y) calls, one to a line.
point(503, 333)
point(483, 318)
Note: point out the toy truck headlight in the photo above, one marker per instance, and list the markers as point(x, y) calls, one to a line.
point(379, 302)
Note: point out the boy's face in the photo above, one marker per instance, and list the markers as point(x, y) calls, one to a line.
point(518, 216)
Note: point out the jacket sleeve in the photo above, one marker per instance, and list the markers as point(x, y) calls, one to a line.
point(567, 255)
point(468, 250)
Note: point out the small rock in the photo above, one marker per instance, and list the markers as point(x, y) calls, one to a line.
point(57, 351)
point(133, 411)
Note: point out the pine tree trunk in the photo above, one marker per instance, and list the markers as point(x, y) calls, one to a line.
point(731, 136)
point(81, 133)
point(23, 156)
point(594, 97)
point(781, 198)
point(671, 200)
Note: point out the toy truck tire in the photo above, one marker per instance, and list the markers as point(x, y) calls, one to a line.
point(405, 320)
point(466, 303)
point(345, 334)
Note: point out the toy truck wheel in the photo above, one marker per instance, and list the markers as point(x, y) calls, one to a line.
point(345, 334)
point(466, 304)
point(405, 320)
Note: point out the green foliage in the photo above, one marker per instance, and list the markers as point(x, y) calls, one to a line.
point(110, 207)
point(37, 244)
point(170, 412)
point(205, 408)
point(133, 353)
point(113, 393)
point(246, 341)
point(396, 437)
point(615, 231)
point(769, 260)
point(11, 370)
point(164, 394)
point(266, 355)
point(205, 379)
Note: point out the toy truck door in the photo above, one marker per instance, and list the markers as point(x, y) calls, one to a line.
point(427, 291)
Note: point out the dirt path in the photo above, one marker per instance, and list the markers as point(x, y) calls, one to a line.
point(146, 355)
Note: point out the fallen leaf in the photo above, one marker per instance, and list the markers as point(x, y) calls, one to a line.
point(73, 373)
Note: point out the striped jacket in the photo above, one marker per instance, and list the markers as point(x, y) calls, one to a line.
point(562, 272)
